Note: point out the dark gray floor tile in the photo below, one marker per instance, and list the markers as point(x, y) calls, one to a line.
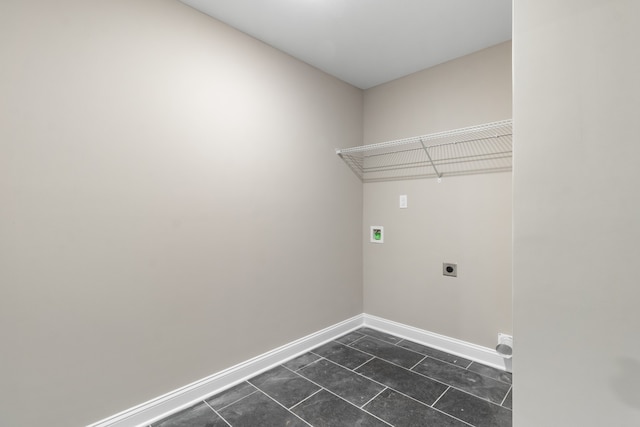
point(473, 410)
point(259, 410)
point(327, 410)
point(436, 354)
point(463, 379)
point(387, 390)
point(229, 396)
point(301, 361)
point(341, 354)
point(410, 383)
point(508, 401)
point(284, 386)
point(346, 384)
point(488, 371)
point(199, 415)
point(380, 335)
point(389, 352)
point(402, 411)
point(349, 338)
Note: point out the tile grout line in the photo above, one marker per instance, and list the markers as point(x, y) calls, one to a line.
point(350, 333)
point(432, 406)
point(306, 366)
point(424, 356)
point(419, 362)
point(391, 388)
point(397, 344)
point(272, 398)
point(401, 367)
point(341, 398)
point(460, 389)
point(434, 403)
point(369, 401)
point(410, 370)
point(375, 416)
point(465, 368)
point(362, 364)
point(350, 348)
point(454, 417)
point(356, 373)
point(356, 340)
point(505, 396)
point(429, 406)
point(473, 395)
point(383, 333)
point(433, 357)
point(238, 400)
point(425, 404)
point(303, 366)
point(350, 345)
point(397, 391)
point(420, 374)
point(486, 376)
point(373, 356)
point(474, 372)
point(385, 342)
point(285, 408)
point(306, 398)
point(216, 412)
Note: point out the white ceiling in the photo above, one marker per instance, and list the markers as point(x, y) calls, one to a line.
point(368, 42)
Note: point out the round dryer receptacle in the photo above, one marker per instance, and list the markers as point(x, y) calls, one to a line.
point(505, 346)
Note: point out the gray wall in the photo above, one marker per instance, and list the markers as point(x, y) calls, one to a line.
point(171, 204)
point(466, 220)
point(576, 213)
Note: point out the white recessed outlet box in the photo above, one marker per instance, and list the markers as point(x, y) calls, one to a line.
point(376, 234)
point(403, 201)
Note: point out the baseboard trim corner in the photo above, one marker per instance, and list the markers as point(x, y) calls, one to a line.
point(474, 352)
point(158, 408)
point(145, 414)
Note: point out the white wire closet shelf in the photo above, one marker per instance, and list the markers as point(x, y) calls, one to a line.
point(478, 149)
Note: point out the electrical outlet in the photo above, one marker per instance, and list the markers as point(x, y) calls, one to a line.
point(449, 269)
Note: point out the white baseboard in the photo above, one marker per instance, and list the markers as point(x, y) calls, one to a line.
point(474, 352)
point(158, 408)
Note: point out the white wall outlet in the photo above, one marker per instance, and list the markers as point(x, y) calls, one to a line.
point(403, 201)
point(376, 234)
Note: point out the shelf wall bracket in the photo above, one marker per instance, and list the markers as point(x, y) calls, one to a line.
point(431, 160)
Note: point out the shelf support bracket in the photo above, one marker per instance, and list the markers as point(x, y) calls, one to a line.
point(431, 160)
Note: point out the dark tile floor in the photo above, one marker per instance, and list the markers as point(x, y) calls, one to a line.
point(364, 378)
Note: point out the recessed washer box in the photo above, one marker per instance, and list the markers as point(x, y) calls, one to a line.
point(376, 234)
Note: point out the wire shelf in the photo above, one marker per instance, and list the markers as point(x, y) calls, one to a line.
point(484, 148)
